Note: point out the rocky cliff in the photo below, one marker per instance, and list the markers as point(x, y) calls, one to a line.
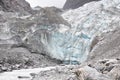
point(73, 4)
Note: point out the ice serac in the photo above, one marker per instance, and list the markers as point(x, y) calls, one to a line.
point(73, 43)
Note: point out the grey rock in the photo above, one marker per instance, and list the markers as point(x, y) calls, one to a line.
point(103, 66)
point(111, 70)
point(108, 47)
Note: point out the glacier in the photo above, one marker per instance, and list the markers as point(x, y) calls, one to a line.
point(72, 43)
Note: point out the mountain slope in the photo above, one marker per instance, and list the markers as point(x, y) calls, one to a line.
point(73, 4)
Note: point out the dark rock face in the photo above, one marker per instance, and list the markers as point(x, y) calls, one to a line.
point(73, 4)
point(15, 6)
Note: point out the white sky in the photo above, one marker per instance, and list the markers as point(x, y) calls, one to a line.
point(47, 3)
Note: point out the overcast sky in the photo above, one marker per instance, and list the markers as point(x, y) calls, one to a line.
point(45, 3)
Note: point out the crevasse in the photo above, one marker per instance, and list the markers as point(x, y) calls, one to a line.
point(73, 43)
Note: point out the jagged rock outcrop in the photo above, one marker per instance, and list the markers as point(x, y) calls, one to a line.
point(15, 6)
point(73, 4)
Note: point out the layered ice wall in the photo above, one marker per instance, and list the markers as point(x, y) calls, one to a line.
point(73, 43)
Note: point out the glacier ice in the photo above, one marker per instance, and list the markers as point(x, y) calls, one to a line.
point(73, 43)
